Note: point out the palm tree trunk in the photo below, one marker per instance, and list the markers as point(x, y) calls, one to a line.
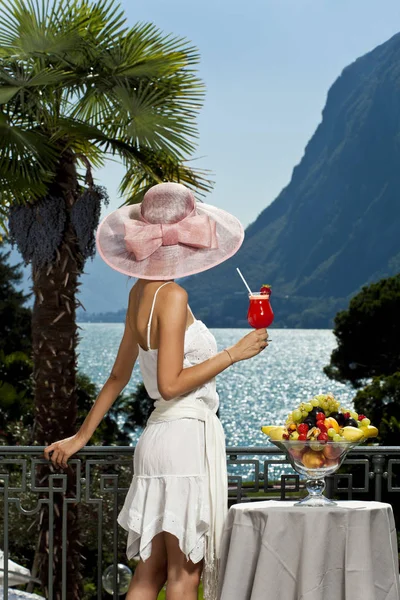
point(54, 339)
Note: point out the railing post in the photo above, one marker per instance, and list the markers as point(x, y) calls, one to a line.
point(329, 489)
point(378, 462)
point(6, 480)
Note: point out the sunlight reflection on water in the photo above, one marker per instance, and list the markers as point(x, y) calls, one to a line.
point(255, 392)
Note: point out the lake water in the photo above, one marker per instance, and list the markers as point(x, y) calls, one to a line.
point(255, 392)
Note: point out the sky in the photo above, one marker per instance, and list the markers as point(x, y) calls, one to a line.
point(267, 66)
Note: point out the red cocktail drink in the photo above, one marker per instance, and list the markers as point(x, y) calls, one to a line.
point(260, 312)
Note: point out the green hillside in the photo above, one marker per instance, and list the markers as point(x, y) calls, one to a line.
point(336, 226)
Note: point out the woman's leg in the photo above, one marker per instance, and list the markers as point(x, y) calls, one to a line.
point(150, 576)
point(183, 576)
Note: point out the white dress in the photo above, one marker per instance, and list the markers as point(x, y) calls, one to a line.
point(168, 491)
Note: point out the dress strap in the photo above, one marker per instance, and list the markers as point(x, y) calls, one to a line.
point(151, 313)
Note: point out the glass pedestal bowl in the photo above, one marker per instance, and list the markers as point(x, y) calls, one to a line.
point(315, 460)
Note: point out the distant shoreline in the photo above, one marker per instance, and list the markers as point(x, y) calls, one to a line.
point(290, 313)
point(243, 325)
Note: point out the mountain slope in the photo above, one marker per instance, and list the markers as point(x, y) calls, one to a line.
point(336, 226)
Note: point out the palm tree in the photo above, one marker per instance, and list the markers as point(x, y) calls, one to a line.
point(77, 85)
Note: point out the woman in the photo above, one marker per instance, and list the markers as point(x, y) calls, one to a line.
point(176, 505)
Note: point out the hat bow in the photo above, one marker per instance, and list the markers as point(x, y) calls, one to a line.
point(143, 239)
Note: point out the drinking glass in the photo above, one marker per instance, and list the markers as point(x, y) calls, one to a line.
point(260, 312)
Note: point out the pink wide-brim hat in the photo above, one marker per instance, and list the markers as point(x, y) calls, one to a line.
point(168, 236)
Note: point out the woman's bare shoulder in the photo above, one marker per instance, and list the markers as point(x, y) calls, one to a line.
point(174, 299)
point(172, 293)
point(175, 292)
point(172, 308)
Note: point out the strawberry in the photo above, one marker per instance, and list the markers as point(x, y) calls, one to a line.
point(323, 437)
point(265, 289)
point(361, 417)
point(302, 437)
point(302, 428)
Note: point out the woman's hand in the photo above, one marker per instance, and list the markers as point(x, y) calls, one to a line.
point(250, 345)
point(63, 449)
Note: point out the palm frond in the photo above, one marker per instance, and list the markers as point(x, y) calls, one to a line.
point(107, 19)
point(144, 90)
point(146, 40)
point(146, 120)
point(92, 142)
point(145, 52)
point(15, 78)
point(150, 168)
point(22, 190)
point(27, 29)
point(8, 92)
point(27, 161)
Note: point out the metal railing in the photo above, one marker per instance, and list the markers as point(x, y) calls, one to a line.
point(102, 476)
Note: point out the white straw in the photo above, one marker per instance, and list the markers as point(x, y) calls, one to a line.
point(243, 279)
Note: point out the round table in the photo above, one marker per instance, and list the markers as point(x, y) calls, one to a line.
point(276, 551)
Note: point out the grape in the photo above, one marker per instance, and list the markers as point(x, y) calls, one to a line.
point(331, 432)
point(310, 422)
point(337, 438)
point(365, 422)
point(354, 415)
point(296, 415)
point(304, 414)
point(308, 406)
point(315, 402)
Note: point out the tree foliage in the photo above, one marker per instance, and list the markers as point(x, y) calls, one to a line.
point(368, 334)
point(380, 400)
point(15, 317)
point(368, 337)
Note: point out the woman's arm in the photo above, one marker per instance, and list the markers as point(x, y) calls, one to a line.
point(117, 380)
point(119, 377)
point(172, 379)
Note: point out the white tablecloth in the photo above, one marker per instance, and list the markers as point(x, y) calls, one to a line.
point(276, 551)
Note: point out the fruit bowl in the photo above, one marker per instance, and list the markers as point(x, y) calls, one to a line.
point(315, 460)
point(316, 437)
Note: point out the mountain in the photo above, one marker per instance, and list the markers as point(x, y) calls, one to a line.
point(336, 226)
